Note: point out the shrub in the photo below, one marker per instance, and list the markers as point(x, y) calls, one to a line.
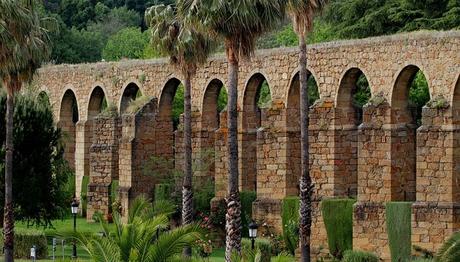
point(398, 220)
point(450, 250)
point(114, 191)
point(162, 192)
point(290, 219)
point(203, 192)
point(338, 219)
point(84, 194)
point(359, 256)
point(24, 239)
point(261, 244)
point(247, 198)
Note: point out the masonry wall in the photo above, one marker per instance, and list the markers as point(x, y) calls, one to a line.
point(384, 158)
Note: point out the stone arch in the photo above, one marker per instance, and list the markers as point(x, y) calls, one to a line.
point(130, 93)
point(164, 132)
point(251, 117)
point(347, 118)
point(403, 137)
point(456, 141)
point(293, 149)
point(95, 103)
point(251, 111)
point(456, 103)
point(68, 118)
point(210, 119)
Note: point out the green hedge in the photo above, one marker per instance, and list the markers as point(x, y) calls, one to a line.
point(262, 244)
point(359, 256)
point(24, 239)
point(247, 198)
point(84, 195)
point(290, 219)
point(398, 220)
point(162, 192)
point(338, 219)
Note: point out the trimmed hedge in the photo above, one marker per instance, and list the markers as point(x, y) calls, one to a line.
point(247, 198)
point(359, 256)
point(84, 195)
point(162, 192)
point(24, 239)
point(338, 219)
point(264, 245)
point(290, 219)
point(398, 220)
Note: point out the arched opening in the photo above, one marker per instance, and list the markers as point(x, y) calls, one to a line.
point(97, 102)
point(131, 93)
point(171, 106)
point(410, 94)
point(293, 130)
point(256, 99)
point(353, 93)
point(214, 101)
point(68, 117)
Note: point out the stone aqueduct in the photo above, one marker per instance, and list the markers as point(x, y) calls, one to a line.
point(384, 158)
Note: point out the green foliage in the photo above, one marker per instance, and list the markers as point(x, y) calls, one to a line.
point(110, 110)
point(290, 220)
point(261, 244)
point(24, 239)
point(143, 237)
point(338, 219)
point(450, 250)
point(137, 104)
point(84, 194)
point(39, 166)
point(359, 256)
point(313, 92)
point(114, 191)
point(162, 192)
point(419, 95)
point(222, 99)
point(203, 193)
point(398, 221)
point(264, 99)
point(178, 105)
point(247, 198)
point(127, 43)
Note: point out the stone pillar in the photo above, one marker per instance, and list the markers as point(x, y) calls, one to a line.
point(321, 139)
point(138, 144)
point(221, 162)
point(83, 141)
point(103, 164)
point(271, 168)
point(436, 213)
point(374, 179)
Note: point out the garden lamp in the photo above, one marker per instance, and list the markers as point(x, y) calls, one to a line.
point(253, 233)
point(74, 208)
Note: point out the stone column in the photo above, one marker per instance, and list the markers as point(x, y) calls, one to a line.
point(83, 143)
point(138, 145)
point(436, 213)
point(220, 163)
point(103, 164)
point(374, 179)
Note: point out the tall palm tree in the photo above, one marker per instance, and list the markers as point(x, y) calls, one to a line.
point(187, 48)
point(23, 48)
point(239, 23)
point(302, 13)
point(143, 238)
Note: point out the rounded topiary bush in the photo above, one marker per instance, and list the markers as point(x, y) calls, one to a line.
point(359, 256)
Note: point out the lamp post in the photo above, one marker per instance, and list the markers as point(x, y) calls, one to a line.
point(253, 233)
point(74, 208)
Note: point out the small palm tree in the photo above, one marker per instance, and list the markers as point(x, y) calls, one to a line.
point(302, 13)
point(450, 250)
point(23, 48)
point(187, 49)
point(143, 238)
point(239, 23)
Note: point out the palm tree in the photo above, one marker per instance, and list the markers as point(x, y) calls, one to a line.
point(23, 48)
point(187, 49)
point(239, 23)
point(143, 238)
point(302, 13)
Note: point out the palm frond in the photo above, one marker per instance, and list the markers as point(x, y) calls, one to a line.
point(303, 12)
point(450, 250)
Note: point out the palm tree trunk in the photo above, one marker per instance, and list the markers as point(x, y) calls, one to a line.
point(8, 226)
point(187, 194)
point(233, 216)
point(306, 186)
